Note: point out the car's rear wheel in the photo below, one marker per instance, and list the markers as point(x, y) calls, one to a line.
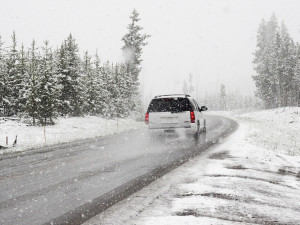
point(204, 128)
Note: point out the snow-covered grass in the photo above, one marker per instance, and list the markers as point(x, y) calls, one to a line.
point(275, 129)
point(245, 180)
point(65, 130)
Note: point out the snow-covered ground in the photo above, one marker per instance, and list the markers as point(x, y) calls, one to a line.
point(65, 130)
point(275, 129)
point(253, 177)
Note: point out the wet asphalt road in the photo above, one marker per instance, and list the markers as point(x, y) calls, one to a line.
point(68, 184)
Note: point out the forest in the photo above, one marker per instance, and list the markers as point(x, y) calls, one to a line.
point(277, 65)
point(42, 83)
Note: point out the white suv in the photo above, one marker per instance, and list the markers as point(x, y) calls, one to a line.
point(170, 112)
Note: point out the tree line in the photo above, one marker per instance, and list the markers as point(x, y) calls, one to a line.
point(43, 83)
point(222, 100)
point(277, 65)
point(229, 101)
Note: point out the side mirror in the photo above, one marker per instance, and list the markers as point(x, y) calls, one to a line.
point(203, 108)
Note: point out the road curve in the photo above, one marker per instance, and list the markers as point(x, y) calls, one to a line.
point(70, 183)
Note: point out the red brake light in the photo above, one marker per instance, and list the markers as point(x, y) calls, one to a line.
point(192, 117)
point(147, 118)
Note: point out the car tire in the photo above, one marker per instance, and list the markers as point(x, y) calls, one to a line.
point(204, 128)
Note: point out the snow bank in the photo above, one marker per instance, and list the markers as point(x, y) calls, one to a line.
point(274, 129)
point(287, 115)
point(65, 130)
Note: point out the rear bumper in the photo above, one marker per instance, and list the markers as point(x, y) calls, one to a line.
point(166, 127)
point(191, 127)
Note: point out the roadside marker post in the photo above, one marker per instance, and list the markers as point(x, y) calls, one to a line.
point(45, 134)
point(15, 142)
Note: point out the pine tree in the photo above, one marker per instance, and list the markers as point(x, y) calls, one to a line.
point(185, 88)
point(278, 76)
point(109, 84)
point(191, 87)
point(68, 69)
point(223, 97)
point(13, 79)
point(122, 93)
point(48, 90)
point(270, 61)
point(100, 87)
point(284, 57)
point(296, 79)
point(129, 93)
point(32, 95)
point(265, 63)
point(260, 67)
point(23, 74)
point(73, 68)
point(116, 91)
point(134, 41)
point(63, 83)
point(3, 81)
point(89, 105)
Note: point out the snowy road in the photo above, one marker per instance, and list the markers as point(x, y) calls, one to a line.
point(73, 182)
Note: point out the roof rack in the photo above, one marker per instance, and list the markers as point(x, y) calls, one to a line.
point(158, 96)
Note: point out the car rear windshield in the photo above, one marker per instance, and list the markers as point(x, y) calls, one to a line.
point(169, 105)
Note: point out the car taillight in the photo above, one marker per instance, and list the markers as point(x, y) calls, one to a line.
point(147, 118)
point(192, 117)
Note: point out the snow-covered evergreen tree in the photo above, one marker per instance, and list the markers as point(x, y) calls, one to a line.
point(191, 87)
point(23, 74)
point(90, 91)
point(116, 98)
point(260, 66)
point(188, 87)
point(48, 88)
point(130, 94)
point(284, 66)
point(32, 95)
point(296, 78)
point(123, 91)
point(185, 88)
point(3, 81)
point(109, 84)
point(60, 71)
point(134, 41)
point(100, 87)
point(13, 79)
point(68, 68)
point(223, 97)
point(270, 79)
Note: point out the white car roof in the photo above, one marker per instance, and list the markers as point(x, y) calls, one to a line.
point(173, 96)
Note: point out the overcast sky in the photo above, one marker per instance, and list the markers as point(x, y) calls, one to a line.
point(213, 40)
